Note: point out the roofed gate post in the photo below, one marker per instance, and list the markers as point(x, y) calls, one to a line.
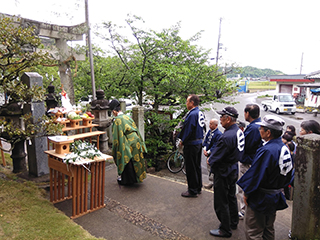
point(138, 118)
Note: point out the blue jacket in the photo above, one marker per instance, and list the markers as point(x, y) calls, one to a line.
point(253, 141)
point(229, 150)
point(211, 140)
point(192, 130)
point(270, 171)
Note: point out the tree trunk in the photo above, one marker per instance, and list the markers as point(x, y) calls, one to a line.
point(19, 157)
point(64, 69)
point(140, 98)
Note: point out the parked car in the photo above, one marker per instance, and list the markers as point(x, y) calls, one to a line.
point(85, 100)
point(280, 103)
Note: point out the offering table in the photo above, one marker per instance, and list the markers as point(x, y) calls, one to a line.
point(72, 181)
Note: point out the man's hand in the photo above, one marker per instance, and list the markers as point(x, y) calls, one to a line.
point(205, 153)
point(245, 200)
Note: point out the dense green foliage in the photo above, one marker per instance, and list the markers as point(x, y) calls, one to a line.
point(159, 67)
point(109, 72)
point(49, 76)
point(158, 128)
point(17, 51)
point(18, 55)
point(252, 72)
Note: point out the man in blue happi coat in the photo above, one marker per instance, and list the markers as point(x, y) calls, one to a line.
point(209, 144)
point(191, 136)
point(252, 143)
point(224, 165)
point(271, 170)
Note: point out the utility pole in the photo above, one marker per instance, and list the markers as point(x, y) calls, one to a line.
point(301, 64)
point(217, 58)
point(90, 53)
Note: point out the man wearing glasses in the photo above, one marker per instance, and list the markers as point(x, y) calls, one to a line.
point(224, 165)
point(271, 170)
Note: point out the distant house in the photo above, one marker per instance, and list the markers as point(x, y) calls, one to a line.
point(311, 90)
point(289, 83)
point(299, 86)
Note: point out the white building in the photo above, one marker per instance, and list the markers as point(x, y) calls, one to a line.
point(299, 86)
point(311, 99)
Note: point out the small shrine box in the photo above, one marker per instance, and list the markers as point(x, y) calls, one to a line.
point(61, 146)
point(63, 122)
point(75, 122)
point(87, 121)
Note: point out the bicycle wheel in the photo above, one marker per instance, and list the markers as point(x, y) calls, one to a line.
point(175, 162)
point(184, 168)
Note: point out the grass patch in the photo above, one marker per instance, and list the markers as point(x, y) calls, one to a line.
point(261, 88)
point(25, 213)
point(7, 158)
point(261, 85)
point(264, 96)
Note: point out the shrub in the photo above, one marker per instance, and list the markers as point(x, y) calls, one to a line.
point(158, 132)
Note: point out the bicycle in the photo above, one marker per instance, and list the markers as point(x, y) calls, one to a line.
point(175, 162)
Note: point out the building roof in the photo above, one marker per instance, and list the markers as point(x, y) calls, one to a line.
point(310, 85)
point(313, 75)
point(304, 79)
point(297, 78)
point(293, 80)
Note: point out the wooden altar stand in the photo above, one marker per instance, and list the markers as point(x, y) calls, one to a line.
point(71, 181)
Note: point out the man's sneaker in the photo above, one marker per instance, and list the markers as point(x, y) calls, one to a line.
point(241, 215)
point(209, 186)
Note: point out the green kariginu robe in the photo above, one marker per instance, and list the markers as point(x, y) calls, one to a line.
point(128, 145)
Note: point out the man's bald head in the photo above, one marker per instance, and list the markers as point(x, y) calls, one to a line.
point(213, 123)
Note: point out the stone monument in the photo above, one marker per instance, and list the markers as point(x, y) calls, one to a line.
point(37, 159)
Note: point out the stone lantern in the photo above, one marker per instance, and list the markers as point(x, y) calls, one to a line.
point(100, 107)
point(12, 113)
point(52, 99)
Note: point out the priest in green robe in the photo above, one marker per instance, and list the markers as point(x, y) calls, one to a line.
point(127, 148)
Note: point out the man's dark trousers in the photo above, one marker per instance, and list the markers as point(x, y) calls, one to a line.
point(225, 201)
point(192, 157)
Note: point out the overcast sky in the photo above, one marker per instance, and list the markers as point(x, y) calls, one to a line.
point(264, 34)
